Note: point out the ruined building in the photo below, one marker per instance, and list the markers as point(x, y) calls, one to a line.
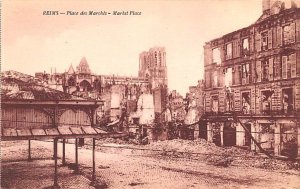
point(177, 106)
point(253, 74)
point(195, 99)
point(120, 93)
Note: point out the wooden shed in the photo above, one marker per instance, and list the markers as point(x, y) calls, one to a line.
point(31, 111)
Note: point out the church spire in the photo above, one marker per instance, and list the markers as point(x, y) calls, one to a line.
point(83, 66)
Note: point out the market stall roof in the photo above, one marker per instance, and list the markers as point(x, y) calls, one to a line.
point(63, 132)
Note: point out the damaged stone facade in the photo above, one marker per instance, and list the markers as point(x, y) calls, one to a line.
point(254, 73)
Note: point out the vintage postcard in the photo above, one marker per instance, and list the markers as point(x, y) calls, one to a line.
point(150, 94)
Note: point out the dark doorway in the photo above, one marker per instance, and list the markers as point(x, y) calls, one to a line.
point(203, 130)
point(289, 141)
point(85, 85)
point(229, 134)
point(247, 135)
point(144, 133)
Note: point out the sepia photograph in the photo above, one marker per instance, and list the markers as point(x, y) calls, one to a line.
point(150, 94)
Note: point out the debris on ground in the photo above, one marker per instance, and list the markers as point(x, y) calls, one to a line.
point(224, 162)
point(131, 169)
point(100, 185)
point(208, 152)
point(220, 156)
point(135, 183)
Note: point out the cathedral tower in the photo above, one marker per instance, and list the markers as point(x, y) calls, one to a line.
point(153, 66)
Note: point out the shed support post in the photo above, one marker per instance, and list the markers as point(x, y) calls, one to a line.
point(53, 157)
point(94, 163)
point(76, 155)
point(55, 185)
point(29, 150)
point(64, 152)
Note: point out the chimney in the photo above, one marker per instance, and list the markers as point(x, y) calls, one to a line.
point(266, 5)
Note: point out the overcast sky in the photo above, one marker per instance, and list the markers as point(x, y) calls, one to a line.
point(33, 42)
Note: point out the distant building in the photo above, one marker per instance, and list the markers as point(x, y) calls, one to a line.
point(254, 73)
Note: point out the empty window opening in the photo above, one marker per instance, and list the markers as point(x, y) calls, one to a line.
point(246, 102)
point(245, 73)
point(266, 97)
point(265, 70)
point(228, 77)
point(264, 40)
point(215, 79)
point(216, 56)
point(228, 51)
point(287, 100)
point(215, 104)
point(289, 66)
point(245, 47)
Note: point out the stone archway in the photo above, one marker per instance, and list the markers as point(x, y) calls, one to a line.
point(85, 85)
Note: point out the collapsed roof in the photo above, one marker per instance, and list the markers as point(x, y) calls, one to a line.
point(17, 85)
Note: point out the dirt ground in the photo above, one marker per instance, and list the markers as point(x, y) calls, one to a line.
point(130, 168)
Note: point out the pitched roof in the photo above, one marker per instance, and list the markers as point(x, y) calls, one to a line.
point(71, 70)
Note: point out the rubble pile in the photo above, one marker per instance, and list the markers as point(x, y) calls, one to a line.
point(219, 156)
point(113, 140)
point(207, 152)
point(106, 141)
point(200, 146)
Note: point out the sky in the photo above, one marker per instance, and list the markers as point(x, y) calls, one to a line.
point(33, 42)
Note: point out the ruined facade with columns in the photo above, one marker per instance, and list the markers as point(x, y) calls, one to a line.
point(253, 75)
